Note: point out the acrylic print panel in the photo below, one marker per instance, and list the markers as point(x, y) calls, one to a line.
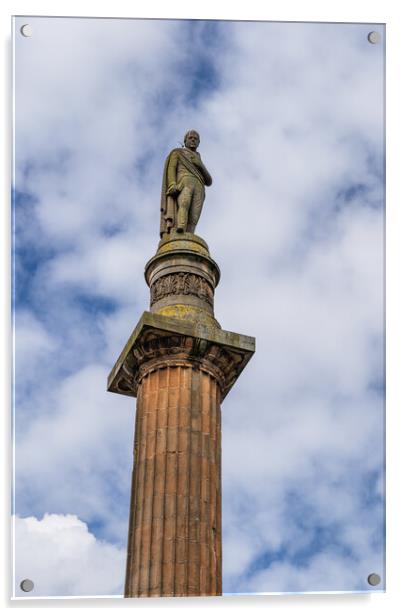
point(291, 120)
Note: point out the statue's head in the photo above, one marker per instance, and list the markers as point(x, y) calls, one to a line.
point(192, 139)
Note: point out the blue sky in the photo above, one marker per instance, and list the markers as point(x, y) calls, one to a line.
point(291, 120)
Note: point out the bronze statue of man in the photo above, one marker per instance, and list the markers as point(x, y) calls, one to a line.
point(183, 187)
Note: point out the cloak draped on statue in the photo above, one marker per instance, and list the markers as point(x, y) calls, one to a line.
point(169, 203)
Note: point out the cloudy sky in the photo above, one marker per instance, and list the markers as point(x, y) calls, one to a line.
point(292, 130)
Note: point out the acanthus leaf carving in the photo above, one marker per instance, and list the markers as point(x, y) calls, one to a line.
point(183, 283)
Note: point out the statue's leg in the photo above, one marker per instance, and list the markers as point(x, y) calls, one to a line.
point(196, 207)
point(183, 202)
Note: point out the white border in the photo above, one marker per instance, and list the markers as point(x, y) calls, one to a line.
point(381, 11)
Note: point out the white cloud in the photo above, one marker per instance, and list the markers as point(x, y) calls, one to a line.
point(330, 572)
point(32, 340)
point(61, 557)
point(109, 264)
point(80, 120)
point(75, 455)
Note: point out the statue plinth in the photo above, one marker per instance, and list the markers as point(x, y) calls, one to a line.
point(182, 278)
point(180, 364)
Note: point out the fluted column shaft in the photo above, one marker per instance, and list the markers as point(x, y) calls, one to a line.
point(174, 539)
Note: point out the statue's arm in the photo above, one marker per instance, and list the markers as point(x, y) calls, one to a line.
point(207, 177)
point(196, 160)
point(205, 172)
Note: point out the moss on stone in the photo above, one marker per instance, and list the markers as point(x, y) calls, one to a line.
point(189, 313)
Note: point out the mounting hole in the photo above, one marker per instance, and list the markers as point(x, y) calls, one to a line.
point(374, 579)
point(374, 37)
point(27, 585)
point(26, 30)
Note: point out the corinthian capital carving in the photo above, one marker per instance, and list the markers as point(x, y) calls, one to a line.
point(160, 341)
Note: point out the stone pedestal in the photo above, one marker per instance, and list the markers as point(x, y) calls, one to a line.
point(180, 365)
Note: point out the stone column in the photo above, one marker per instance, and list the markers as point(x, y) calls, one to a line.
point(175, 529)
point(180, 365)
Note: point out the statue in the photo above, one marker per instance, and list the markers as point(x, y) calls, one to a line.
point(183, 187)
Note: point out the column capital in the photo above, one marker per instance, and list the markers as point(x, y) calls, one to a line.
point(158, 339)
